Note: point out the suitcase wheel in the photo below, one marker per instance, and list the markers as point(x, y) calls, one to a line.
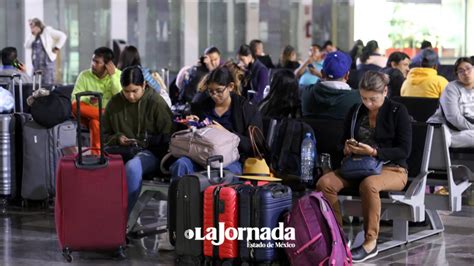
point(67, 254)
point(120, 254)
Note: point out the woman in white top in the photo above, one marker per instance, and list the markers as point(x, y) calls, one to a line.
point(456, 105)
point(45, 43)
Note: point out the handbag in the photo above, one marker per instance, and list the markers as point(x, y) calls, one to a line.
point(200, 144)
point(359, 166)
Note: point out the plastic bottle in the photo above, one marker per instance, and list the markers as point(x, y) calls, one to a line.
point(308, 154)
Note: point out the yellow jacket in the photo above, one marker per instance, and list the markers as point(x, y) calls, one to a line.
point(423, 82)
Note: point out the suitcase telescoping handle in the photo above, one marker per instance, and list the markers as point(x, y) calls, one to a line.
point(37, 75)
point(92, 162)
point(20, 90)
point(214, 158)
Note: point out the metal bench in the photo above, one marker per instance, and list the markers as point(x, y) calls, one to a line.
point(402, 207)
point(413, 204)
point(151, 189)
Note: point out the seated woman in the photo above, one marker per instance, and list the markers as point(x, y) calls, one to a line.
point(137, 116)
point(131, 57)
point(456, 107)
point(383, 130)
point(228, 111)
point(256, 74)
point(283, 99)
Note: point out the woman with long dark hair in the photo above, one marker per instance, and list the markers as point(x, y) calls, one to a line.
point(283, 99)
point(256, 74)
point(228, 111)
point(131, 57)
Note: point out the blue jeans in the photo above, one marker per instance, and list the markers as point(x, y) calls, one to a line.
point(184, 166)
point(142, 164)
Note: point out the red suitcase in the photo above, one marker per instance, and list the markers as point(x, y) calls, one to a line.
point(221, 206)
point(91, 200)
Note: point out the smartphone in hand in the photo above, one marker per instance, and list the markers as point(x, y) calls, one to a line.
point(311, 66)
point(353, 142)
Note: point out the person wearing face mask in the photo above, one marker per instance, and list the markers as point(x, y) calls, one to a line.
point(137, 116)
point(228, 111)
point(256, 76)
point(102, 77)
point(397, 68)
point(45, 43)
point(456, 105)
point(382, 130)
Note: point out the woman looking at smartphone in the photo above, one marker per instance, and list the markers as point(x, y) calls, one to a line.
point(137, 116)
point(227, 110)
point(382, 130)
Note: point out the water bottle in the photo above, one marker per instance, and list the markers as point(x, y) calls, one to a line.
point(308, 154)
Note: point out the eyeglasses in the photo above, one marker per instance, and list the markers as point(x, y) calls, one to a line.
point(218, 91)
point(466, 70)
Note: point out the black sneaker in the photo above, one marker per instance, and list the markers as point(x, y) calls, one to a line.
point(359, 254)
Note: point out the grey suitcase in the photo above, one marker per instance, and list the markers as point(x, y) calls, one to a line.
point(42, 149)
point(8, 182)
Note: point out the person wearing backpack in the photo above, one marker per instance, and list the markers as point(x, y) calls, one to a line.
point(228, 111)
point(383, 131)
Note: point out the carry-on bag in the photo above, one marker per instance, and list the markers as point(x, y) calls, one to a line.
point(185, 205)
point(91, 199)
point(319, 240)
point(41, 150)
point(263, 206)
point(221, 206)
point(8, 180)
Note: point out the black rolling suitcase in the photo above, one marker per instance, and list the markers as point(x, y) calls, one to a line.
point(185, 205)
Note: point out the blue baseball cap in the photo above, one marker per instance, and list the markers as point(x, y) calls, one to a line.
point(336, 64)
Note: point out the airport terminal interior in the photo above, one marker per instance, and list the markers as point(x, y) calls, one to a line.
point(430, 222)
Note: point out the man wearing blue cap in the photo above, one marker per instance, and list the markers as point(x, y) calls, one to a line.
point(332, 97)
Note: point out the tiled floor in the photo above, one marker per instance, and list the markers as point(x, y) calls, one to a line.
point(29, 238)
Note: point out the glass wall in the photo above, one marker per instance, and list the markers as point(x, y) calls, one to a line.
point(87, 24)
point(154, 28)
point(11, 25)
point(222, 24)
point(403, 25)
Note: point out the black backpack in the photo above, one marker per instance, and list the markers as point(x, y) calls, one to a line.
point(286, 149)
